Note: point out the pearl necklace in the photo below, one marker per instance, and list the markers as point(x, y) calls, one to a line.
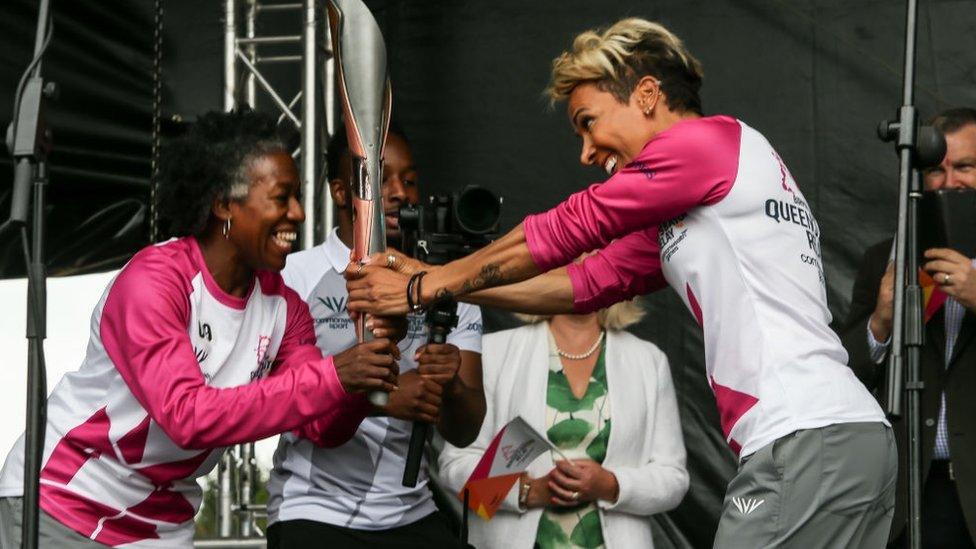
point(585, 354)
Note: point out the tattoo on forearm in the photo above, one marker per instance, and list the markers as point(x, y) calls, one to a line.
point(490, 275)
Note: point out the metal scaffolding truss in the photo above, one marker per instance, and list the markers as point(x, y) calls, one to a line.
point(237, 472)
point(243, 53)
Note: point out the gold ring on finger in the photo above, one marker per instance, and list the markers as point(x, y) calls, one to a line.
point(390, 261)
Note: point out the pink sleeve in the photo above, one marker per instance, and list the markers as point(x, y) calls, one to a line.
point(144, 329)
point(691, 164)
point(298, 346)
point(627, 267)
point(339, 426)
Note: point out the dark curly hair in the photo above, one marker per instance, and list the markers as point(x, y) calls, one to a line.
point(210, 163)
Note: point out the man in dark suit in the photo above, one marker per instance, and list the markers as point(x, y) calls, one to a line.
point(948, 359)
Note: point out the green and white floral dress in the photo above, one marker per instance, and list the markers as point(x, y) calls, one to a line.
point(580, 429)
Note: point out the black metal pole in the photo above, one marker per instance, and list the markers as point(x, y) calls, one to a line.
point(441, 319)
point(464, 519)
point(905, 131)
point(914, 339)
point(36, 368)
point(29, 142)
point(415, 452)
point(907, 334)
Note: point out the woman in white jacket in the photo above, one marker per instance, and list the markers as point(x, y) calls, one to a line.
point(605, 399)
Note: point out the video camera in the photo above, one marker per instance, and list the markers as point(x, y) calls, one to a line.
point(450, 226)
point(447, 227)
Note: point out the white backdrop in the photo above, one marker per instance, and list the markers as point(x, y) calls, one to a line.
point(70, 304)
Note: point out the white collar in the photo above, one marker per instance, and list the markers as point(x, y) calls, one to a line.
point(336, 251)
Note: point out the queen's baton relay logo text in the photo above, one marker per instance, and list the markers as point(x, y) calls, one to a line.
point(670, 235)
point(794, 211)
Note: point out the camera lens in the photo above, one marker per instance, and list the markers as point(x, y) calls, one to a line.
point(477, 210)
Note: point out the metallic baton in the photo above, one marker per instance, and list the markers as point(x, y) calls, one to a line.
point(364, 88)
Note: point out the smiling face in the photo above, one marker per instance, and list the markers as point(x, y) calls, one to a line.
point(613, 133)
point(958, 168)
point(264, 224)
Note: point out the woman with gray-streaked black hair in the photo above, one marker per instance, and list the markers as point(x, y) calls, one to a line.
point(197, 344)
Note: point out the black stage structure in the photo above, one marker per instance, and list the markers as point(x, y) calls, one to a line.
point(814, 76)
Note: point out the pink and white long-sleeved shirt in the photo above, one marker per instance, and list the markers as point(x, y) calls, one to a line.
point(176, 369)
point(709, 208)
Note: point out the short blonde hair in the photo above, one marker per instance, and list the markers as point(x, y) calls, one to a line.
point(617, 58)
point(615, 317)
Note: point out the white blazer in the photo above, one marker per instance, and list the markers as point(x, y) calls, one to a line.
point(645, 451)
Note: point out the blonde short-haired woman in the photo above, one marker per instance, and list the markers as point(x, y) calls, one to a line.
point(703, 204)
point(605, 399)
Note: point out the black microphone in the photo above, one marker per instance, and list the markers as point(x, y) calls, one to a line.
point(930, 144)
point(29, 141)
point(441, 319)
point(20, 198)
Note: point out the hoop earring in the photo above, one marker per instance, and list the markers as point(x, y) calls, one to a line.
point(226, 229)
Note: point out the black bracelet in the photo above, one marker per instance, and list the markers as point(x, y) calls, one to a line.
point(420, 293)
point(414, 306)
point(410, 284)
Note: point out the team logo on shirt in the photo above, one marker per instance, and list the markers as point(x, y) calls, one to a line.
point(747, 505)
point(264, 361)
point(331, 310)
point(334, 304)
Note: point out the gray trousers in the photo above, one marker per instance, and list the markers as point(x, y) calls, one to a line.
point(51, 533)
point(830, 487)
